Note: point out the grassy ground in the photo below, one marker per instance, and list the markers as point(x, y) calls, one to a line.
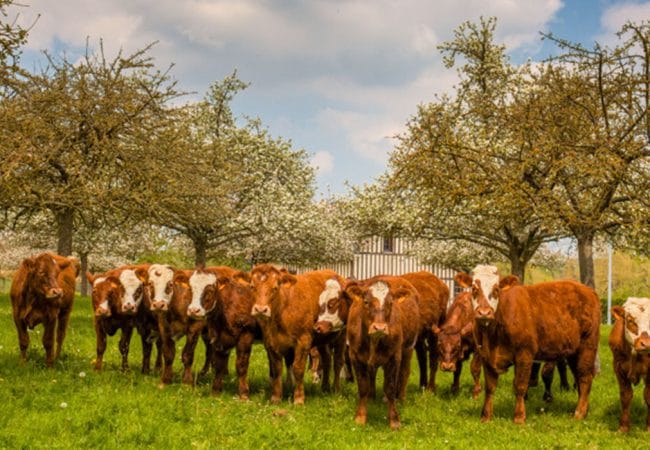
point(71, 406)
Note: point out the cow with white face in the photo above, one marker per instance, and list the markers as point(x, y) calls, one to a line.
point(329, 331)
point(630, 344)
point(117, 298)
point(486, 285)
point(161, 287)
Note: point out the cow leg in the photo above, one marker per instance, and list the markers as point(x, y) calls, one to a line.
point(288, 363)
point(491, 381)
point(625, 393)
point(244, 347)
point(455, 386)
point(646, 397)
point(169, 352)
point(158, 365)
point(349, 374)
point(23, 337)
point(404, 370)
point(125, 342)
point(393, 380)
point(147, 346)
point(101, 345)
point(299, 364)
point(191, 340)
point(205, 337)
point(325, 356)
point(62, 326)
point(561, 370)
point(534, 375)
point(421, 354)
point(523, 368)
point(373, 382)
point(315, 364)
point(475, 369)
point(275, 372)
point(547, 378)
point(584, 364)
point(48, 341)
point(339, 359)
point(364, 375)
point(219, 364)
point(433, 361)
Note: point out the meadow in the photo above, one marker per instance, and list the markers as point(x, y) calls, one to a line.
point(71, 406)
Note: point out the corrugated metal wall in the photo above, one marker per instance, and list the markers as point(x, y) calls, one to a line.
point(372, 260)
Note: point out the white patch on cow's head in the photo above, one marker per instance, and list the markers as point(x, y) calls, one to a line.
point(332, 290)
point(379, 290)
point(637, 318)
point(160, 276)
point(198, 282)
point(488, 276)
point(98, 280)
point(131, 283)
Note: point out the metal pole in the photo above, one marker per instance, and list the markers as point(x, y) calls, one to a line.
point(609, 284)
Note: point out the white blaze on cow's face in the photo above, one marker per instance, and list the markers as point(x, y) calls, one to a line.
point(132, 291)
point(161, 279)
point(379, 290)
point(331, 291)
point(637, 321)
point(198, 282)
point(104, 304)
point(488, 280)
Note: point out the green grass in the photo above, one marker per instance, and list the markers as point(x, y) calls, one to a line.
point(112, 409)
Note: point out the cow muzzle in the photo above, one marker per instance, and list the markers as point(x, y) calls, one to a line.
point(102, 312)
point(484, 313)
point(323, 327)
point(448, 366)
point(642, 344)
point(378, 329)
point(54, 293)
point(129, 308)
point(261, 310)
point(196, 312)
point(159, 306)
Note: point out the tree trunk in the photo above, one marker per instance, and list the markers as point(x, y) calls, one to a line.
point(64, 229)
point(84, 268)
point(586, 259)
point(200, 249)
point(518, 268)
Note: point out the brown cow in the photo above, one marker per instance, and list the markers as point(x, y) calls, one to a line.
point(170, 295)
point(227, 306)
point(286, 307)
point(42, 291)
point(518, 324)
point(329, 333)
point(456, 342)
point(118, 304)
point(432, 301)
point(383, 327)
point(629, 341)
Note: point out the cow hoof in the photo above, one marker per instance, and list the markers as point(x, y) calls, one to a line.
point(299, 401)
point(625, 429)
point(244, 397)
point(485, 419)
point(548, 398)
point(161, 385)
point(394, 425)
point(361, 420)
point(520, 420)
point(275, 400)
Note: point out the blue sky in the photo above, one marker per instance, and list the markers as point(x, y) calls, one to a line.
point(337, 78)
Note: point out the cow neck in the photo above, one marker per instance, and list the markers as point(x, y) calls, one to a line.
point(485, 335)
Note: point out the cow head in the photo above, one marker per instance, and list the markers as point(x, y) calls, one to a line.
point(43, 271)
point(105, 291)
point(486, 288)
point(132, 283)
point(635, 314)
point(451, 335)
point(267, 281)
point(334, 305)
point(203, 285)
point(377, 302)
point(161, 287)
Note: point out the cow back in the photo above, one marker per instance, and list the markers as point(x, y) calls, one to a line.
point(433, 296)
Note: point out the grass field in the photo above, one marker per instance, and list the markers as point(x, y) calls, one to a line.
point(71, 406)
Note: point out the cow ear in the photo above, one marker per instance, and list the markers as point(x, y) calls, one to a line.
point(467, 329)
point(401, 294)
point(142, 274)
point(181, 277)
point(243, 278)
point(29, 264)
point(354, 292)
point(288, 280)
point(508, 282)
point(435, 329)
point(463, 279)
point(222, 282)
point(618, 312)
point(90, 277)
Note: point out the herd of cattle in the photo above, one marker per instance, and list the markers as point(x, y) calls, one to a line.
point(362, 325)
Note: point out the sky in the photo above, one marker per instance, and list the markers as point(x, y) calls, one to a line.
point(338, 78)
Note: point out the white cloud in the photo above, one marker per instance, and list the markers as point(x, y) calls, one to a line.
point(323, 162)
point(616, 15)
